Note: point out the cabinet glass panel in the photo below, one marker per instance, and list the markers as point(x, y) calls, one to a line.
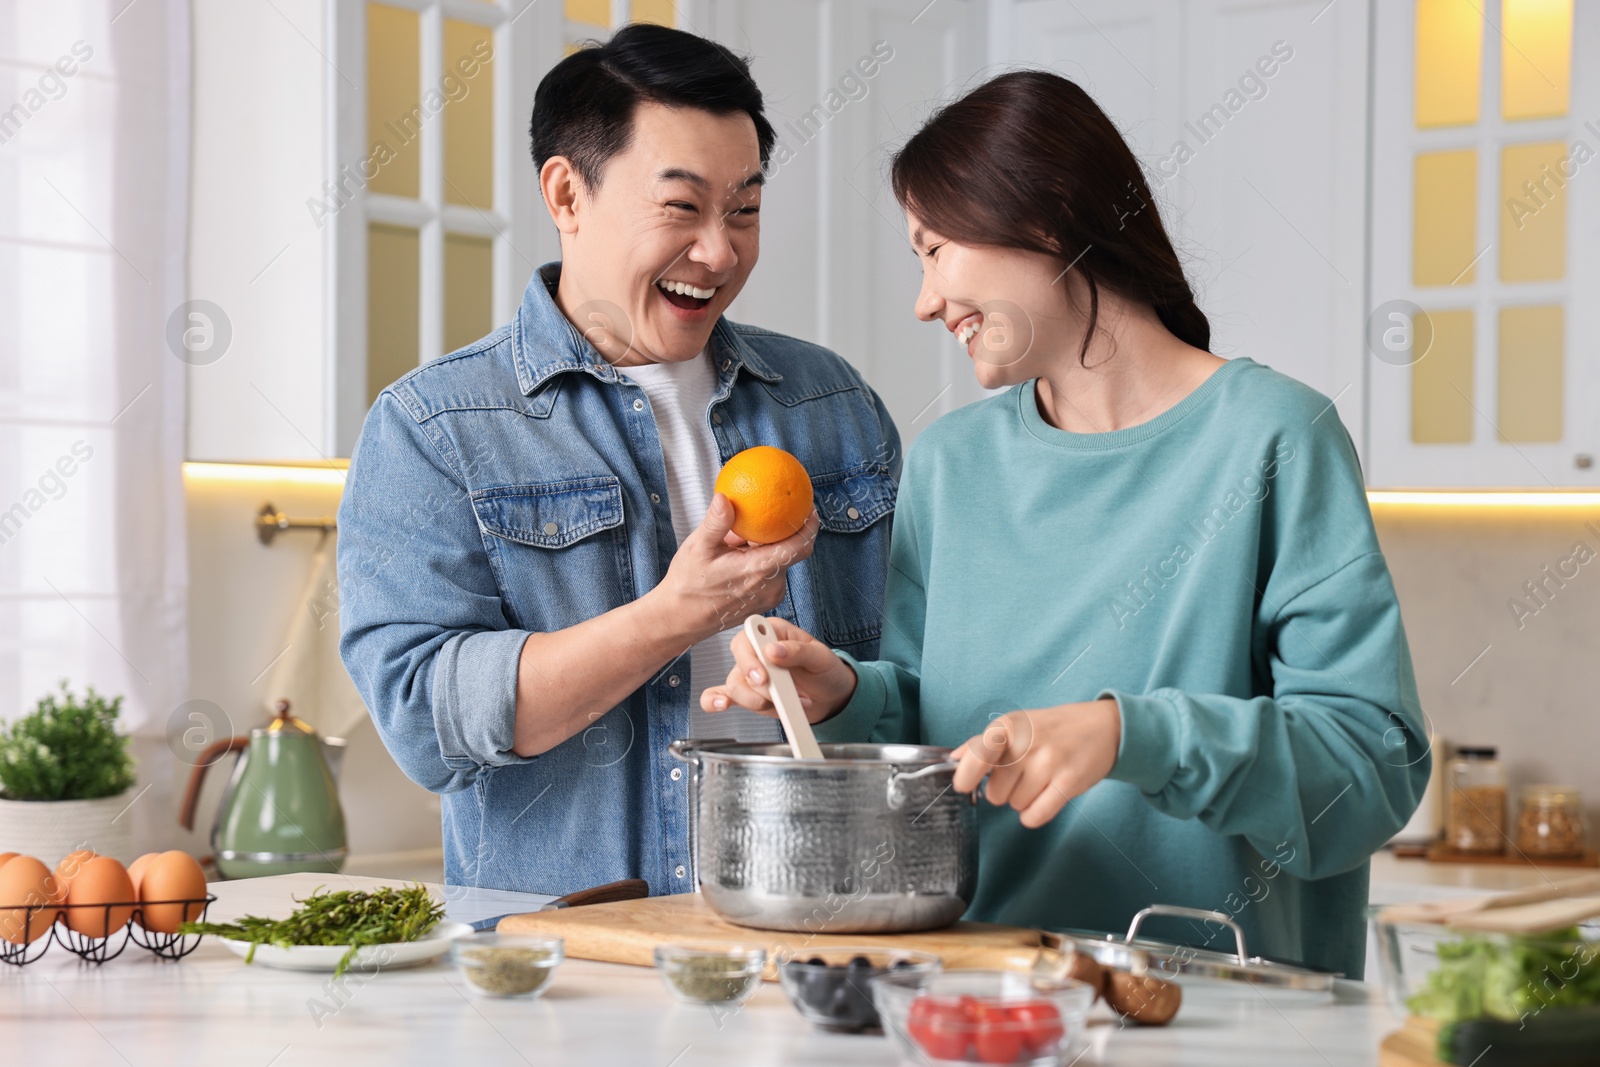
point(1535, 58)
point(1444, 213)
point(469, 114)
point(1533, 212)
point(468, 289)
point(1449, 58)
point(657, 11)
point(1532, 340)
point(1441, 381)
point(393, 259)
point(594, 12)
point(394, 112)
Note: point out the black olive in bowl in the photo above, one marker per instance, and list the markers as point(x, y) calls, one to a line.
point(830, 986)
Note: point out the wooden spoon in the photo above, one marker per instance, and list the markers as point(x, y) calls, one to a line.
point(1447, 911)
point(784, 695)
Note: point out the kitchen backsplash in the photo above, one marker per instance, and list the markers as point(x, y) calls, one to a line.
point(1502, 608)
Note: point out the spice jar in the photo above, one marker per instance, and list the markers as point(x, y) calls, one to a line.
point(1550, 823)
point(1477, 816)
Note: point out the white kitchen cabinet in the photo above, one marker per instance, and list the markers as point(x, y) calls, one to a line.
point(1250, 120)
point(1493, 383)
point(282, 198)
point(1278, 135)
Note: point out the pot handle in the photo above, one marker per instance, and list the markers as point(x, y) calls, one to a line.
point(1178, 912)
point(686, 749)
point(895, 793)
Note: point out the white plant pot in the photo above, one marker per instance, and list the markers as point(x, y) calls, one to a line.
point(49, 829)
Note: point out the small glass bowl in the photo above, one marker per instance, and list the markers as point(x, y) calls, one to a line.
point(829, 987)
point(984, 1017)
point(507, 965)
point(725, 976)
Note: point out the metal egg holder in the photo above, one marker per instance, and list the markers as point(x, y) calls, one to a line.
point(99, 949)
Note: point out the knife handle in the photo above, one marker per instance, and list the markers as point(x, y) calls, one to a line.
point(626, 889)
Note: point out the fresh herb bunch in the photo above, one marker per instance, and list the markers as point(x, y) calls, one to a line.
point(1481, 977)
point(66, 749)
point(349, 917)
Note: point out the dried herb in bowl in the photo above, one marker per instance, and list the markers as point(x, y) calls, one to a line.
point(711, 976)
point(507, 966)
point(350, 917)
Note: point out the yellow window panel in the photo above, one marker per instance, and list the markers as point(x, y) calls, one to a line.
point(594, 12)
point(468, 114)
point(1444, 216)
point(1532, 341)
point(394, 92)
point(658, 11)
point(1441, 381)
point(1535, 58)
point(1533, 211)
point(393, 261)
point(468, 289)
point(1449, 61)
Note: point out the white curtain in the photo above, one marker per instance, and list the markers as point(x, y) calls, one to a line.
point(94, 132)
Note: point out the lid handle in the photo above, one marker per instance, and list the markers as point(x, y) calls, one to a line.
point(1177, 912)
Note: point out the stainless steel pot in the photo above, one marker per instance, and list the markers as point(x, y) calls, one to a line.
point(870, 840)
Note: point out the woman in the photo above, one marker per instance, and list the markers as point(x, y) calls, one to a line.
point(1140, 590)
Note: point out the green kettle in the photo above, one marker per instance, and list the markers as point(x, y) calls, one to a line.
point(280, 812)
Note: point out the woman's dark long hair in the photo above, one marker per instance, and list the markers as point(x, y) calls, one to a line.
point(1028, 161)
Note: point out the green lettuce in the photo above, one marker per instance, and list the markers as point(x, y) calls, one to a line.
point(1483, 977)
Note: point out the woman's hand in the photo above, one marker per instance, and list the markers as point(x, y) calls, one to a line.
point(1038, 760)
point(824, 681)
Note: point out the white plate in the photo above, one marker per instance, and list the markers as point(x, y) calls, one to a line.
point(429, 946)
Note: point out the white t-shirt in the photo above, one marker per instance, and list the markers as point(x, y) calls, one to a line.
point(680, 397)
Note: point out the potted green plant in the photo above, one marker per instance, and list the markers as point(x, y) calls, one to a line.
point(65, 773)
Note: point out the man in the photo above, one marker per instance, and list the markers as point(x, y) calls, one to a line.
point(536, 579)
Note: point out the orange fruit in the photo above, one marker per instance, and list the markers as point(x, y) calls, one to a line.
point(770, 491)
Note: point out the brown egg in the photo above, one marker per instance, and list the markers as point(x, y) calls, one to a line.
point(69, 867)
point(136, 870)
point(25, 881)
point(4, 856)
point(100, 881)
point(171, 876)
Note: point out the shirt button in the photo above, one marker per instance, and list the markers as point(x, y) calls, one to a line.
point(638, 405)
point(727, 363)
point(655, 498)
point(853, 513)
point(677, 772)
point(673, 681)
point(716, 417)
point(551, 528)
point(679, 871)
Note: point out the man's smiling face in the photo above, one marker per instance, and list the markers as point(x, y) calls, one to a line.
point(669, 236)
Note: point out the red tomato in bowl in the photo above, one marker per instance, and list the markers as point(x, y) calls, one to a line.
point(942, 1026)
point(1038, 1024)
point(996, 1037)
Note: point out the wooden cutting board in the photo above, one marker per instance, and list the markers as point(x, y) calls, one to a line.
point(1412, 1045)
point(628, 931)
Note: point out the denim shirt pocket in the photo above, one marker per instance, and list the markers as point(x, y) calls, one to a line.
point(559, 549)
point(851, 555)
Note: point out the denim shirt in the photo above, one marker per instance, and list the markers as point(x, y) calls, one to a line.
point(518, 486)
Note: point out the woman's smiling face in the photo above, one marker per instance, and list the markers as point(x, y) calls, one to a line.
point(1007, 307)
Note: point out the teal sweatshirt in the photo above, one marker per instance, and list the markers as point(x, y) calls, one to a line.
point(1213, 570)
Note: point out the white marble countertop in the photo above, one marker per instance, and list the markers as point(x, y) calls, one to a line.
point(212, 1009)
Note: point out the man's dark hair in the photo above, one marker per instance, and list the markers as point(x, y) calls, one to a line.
point(584, 107)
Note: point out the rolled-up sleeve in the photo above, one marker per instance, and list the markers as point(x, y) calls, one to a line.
point(423, 631)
